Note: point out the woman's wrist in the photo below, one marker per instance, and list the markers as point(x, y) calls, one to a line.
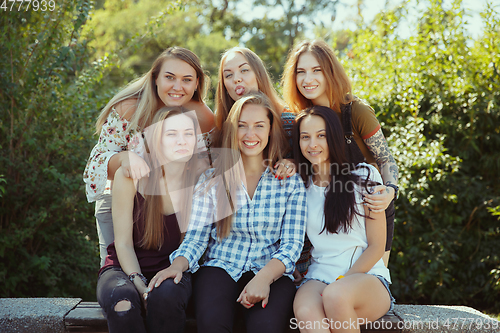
point(395, 190)
point(137, 276)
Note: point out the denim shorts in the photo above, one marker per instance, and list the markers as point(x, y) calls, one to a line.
point(380, 277)
point(386, 285)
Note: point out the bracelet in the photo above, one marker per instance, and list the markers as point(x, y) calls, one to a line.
point(340, 277)
point(396, 190)
point(132, 276)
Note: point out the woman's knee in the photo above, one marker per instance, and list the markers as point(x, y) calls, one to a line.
point(302, 311)
point(122, 306)
point(336, 298)
point(118, 294)
point(170, 294)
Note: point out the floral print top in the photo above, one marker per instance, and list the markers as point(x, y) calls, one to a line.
point(117, 136)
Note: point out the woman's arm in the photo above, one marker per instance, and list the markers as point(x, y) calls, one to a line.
point(291, 242)
point(195, 239)
point(110, 151)
point(124, 190)
point(133, 165)
point(376, 236)
point(257, 289)
point(382, 195)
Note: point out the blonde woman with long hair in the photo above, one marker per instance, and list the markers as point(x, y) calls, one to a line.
point(242, 72)
point(314, 76)
point(150, 216)
point(250, 254)
point(175, 78)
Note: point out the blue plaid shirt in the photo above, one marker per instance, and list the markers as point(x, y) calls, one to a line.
point(271, 225)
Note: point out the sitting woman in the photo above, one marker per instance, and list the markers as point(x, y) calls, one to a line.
point(147, 226)
point(347, 278)
point(251, 252)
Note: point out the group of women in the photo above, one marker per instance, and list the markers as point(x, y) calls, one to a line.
point(217, 206)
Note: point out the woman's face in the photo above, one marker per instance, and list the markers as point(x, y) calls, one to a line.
point(310, 79)
point(239, 77)
point(312, 140)
point(176, 82)
point(178, 138)
point(254, 127)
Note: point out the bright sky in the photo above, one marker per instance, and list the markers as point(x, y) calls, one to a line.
point(371, 7)
point(347, 12)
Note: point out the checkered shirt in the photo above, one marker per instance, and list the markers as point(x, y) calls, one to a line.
point(271, 225)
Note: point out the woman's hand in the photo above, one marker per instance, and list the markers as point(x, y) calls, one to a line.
point(297, 276)
point(255, 291)
point(143, 290)
point(133, 165)
point(284, 168)
point(169, 272)
point(379, 199)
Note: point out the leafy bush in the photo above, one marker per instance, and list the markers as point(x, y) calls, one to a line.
point(47, 239)
point(438, 93)
point(51, 94)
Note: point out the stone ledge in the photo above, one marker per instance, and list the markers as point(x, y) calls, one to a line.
point(71, 315)
point(440, 318)
point(28, 315)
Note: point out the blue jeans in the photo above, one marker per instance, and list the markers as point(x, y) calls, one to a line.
point(166, 305)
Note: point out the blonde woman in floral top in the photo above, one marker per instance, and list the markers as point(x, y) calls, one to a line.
point(175, 78)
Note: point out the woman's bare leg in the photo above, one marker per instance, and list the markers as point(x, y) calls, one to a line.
point(308, 308)
point(356, 296)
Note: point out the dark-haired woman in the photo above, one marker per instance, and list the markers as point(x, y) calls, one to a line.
point(347, 278)
point(314, 76)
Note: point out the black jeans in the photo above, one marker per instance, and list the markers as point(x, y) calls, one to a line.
point(166, 305)
point(215, 294)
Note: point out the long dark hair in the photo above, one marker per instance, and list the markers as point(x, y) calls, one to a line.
point(340, 200)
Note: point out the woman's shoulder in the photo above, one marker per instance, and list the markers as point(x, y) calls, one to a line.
point(204, 114)
point(126, 108)
point(360, 106)
point(367, 170)
point(295, 183)
point(207, 174)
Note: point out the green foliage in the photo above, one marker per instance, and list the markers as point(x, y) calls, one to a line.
point(47, 238)
point(51, 94)
point(185, 26)
point(438, 93)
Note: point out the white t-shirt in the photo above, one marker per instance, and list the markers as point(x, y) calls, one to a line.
point(334, 254)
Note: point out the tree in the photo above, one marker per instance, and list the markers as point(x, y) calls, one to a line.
point(47, 242)
point(438, 97)
point(51, 94)
point(185, 27)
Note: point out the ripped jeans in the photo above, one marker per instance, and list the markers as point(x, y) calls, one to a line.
point(166, 305)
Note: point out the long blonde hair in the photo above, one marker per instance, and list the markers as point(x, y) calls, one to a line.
point(145, 91)
point(224, 102)
point(225, 166)
point(338, 86)
point(153, 237)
